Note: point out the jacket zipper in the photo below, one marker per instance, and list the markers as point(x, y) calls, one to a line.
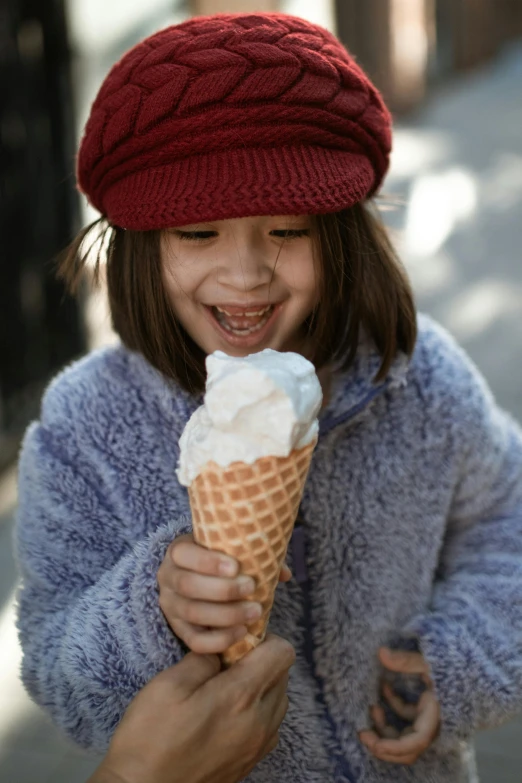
point(342, 766)
point(299, 545)
point(330, 423)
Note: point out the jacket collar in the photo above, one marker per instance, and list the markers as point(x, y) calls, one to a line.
point(350, 394)
point(175, 404)
point(354, 389)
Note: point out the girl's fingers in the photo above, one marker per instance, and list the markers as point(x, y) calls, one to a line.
point(192, 557)
point(412, 743)
point(386, 750)
point(403, 760)
point(407, 711)
point(370, 739)
point(428, 720)
point(285, 574)
point(190, 584)
point(403, 662)
point(381, 727)
point(214, 615)
point(207, 642)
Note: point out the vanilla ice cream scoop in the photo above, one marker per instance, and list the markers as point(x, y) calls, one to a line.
point(261, 405)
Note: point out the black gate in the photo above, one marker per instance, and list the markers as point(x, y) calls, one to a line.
point(40, 329)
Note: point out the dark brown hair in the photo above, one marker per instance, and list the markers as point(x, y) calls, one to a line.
point(362, 284)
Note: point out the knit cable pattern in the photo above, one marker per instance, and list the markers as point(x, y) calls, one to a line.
point(230, 82)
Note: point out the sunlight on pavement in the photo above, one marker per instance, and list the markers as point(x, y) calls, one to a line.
point(98, 25)
point(15, 706)
point(433, 277)
point(416, 150)
point(502, 182)
point(480, 305)
point(98, 319)
point(320, 13)
point(439, 202)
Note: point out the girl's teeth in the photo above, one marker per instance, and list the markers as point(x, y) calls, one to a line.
point(247, 313)
point(239, 325)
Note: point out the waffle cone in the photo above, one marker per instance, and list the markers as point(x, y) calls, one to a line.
point(248, 512)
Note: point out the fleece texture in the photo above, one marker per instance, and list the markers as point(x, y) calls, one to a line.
point(412, 523)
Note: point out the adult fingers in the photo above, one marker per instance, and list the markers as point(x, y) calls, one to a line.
point(184, 553)
point(262, 668)
point(206, 641)
point(270, 663)
point(190, 674)
point(274, 706)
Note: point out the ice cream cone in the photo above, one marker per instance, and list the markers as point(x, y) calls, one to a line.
point(248, 512)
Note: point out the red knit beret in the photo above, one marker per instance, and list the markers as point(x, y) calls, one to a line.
point(233, 115)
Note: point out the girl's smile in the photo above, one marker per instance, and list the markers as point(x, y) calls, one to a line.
point(244, 284)
point(244, 327)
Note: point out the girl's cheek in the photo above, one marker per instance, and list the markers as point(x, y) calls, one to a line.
point(306, 277)
point(182, 277)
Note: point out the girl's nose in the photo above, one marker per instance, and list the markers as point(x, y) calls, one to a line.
point(247, 267)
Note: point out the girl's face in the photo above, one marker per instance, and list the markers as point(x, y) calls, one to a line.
point(244, 284)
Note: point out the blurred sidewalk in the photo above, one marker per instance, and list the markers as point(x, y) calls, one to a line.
point(458, 166)
point(31, 749)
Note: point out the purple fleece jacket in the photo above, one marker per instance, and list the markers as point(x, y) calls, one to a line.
point(412, 525)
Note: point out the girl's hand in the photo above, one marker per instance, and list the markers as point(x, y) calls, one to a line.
point(203, 596)
point(385, 743)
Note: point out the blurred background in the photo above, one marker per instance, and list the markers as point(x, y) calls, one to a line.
point(451, 72)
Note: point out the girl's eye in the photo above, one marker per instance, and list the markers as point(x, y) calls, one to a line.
point(200, 236)
point(196, 236)
point(288, 233)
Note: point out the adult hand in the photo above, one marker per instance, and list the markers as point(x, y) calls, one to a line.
point(195, 724)
point(204, 598)
point(386, 743)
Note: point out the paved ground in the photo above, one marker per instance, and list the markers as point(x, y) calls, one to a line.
point(459, 168)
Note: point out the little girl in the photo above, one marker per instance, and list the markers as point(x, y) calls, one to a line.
point(233, 160)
